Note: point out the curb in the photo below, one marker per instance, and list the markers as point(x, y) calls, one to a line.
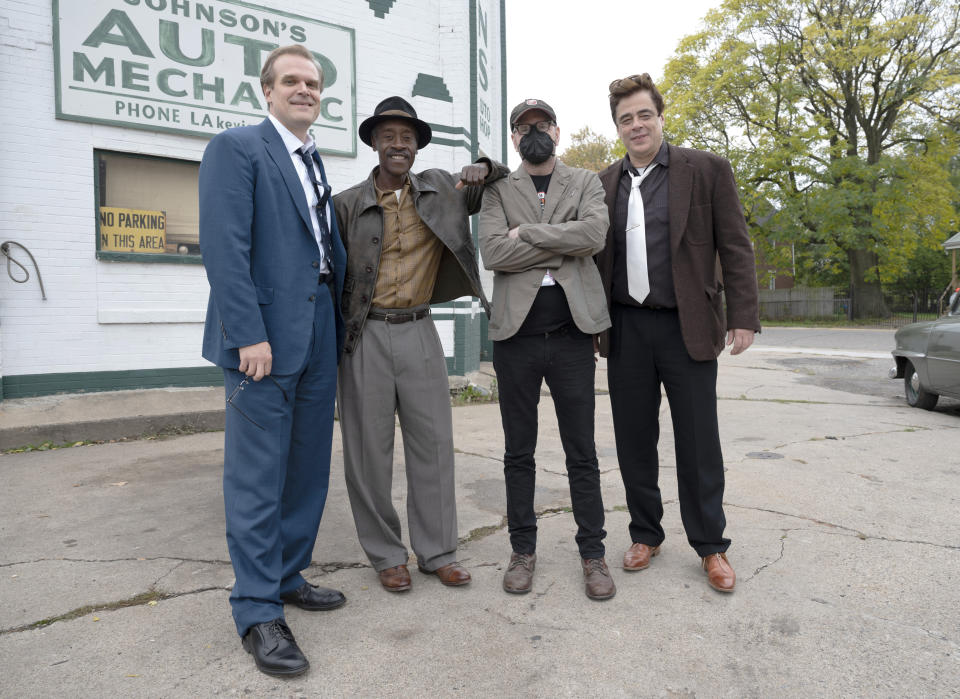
point(112, 428)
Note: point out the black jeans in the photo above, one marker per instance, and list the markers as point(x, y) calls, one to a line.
point(647, 349)
point(565, 359)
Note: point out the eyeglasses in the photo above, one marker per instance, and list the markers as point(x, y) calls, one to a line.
point(524, 129)
point(233, 398)
point(615, 85)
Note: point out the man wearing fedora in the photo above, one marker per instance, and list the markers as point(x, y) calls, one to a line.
point(539, 230)
point(408, 246)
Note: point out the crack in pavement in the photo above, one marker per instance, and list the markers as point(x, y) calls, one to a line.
point(334, 566)
point(140, 600)
point(783, 542)
point(157, 581)
point(911, 428)
point(854, 532)
point(115, 560)
point(479, 456)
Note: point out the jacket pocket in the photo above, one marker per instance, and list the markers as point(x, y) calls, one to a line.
point(264, 295)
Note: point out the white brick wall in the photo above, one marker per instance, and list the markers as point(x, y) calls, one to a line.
point(104, 315)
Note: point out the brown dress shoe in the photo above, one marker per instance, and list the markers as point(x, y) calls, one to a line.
point(596, 578)
point(396, 579)
point(638, 556)
point(720, 573)
point(519, 576)
point(452, 574)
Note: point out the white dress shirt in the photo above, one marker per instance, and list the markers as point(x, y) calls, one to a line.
point(292, 143)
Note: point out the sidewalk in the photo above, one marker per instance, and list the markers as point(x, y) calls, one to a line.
point(841, 505)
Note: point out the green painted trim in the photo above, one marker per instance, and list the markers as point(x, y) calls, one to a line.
point(475, 145)
point(26, 385)
point(504, 127)
point(381, 8)
point(486, 344)
point(155, 258)
point(449, 129)
point(431, 87)
point(454, 144)
point(58, 107)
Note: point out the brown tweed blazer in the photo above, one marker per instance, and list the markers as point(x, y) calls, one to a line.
point(710, 250)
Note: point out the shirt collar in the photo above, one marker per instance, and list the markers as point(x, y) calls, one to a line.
point(373, 177)
point(290, 141)
point(662, 158)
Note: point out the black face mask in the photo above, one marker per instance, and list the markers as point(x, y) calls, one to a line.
point(536, 147)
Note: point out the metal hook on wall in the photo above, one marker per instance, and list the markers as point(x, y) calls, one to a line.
point(5, 250)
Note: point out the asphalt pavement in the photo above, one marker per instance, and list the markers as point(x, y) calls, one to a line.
point(841, 502)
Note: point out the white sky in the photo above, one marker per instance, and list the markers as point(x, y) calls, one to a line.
point(566, 53)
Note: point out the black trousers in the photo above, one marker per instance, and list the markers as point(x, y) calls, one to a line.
point(647, 349)
point(565, 359)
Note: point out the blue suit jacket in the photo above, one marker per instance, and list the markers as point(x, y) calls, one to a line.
point(259, 250)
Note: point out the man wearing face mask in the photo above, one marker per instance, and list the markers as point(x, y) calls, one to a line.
point(539, 230)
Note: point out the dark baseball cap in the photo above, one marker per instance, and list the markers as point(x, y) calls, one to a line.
point(529, 104)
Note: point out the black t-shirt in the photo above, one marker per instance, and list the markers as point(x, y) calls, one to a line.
point(541, 182)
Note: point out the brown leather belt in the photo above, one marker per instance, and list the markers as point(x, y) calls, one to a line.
point(399, 316)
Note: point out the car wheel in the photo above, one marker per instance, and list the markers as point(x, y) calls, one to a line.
point(917, 395)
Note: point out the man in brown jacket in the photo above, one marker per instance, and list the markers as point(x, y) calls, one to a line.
point(676, 225)
point(408, 245)
point(539, 230)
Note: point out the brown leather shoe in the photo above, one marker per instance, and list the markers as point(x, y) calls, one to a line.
point(638, 556)
point(452, 574)
point(519, 576)
point(720, 573)
point(396, 579)
point(596, 578)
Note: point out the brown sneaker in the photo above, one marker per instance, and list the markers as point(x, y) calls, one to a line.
point(396, 579)
point(720, 573)
point(596, 578)
point(638, 556)
point(519, 576)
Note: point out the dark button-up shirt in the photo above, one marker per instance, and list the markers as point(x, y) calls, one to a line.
point(655, 190)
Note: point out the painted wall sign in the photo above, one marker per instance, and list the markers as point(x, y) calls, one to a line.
point(192, 66)
point(132, 230)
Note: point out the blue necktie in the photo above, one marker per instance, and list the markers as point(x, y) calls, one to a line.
point(323, 194)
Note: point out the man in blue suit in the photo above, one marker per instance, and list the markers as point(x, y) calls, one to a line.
point(275, 264)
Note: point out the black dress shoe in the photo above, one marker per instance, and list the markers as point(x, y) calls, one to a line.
point(315, 599)
point(274, 649)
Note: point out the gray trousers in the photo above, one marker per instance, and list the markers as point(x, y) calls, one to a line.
point(398, 370)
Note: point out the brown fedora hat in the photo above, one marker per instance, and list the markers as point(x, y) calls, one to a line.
point(395, 108)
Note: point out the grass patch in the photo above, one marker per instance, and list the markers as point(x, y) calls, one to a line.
point(471, 394)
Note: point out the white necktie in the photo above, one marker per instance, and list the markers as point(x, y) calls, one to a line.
point(638, 279)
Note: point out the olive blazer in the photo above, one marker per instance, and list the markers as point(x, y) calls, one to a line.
point(562, 238)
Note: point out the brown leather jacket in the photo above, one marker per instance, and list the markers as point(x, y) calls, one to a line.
point(443, 209)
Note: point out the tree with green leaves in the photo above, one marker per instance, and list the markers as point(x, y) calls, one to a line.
point(591, 151)
point(840, 118)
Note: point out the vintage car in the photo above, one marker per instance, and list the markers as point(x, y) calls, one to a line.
point(927, 358)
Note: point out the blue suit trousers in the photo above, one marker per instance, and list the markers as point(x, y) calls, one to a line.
point(276, 471)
